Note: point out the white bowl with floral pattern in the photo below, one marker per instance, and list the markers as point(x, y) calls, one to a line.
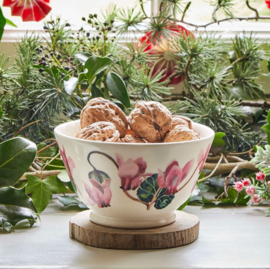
point(129, 185)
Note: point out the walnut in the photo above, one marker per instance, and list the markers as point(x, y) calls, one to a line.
point(131, 139)
point(100, 131)
point(181, 133)
point(150, 121)
point(179, 120)
point(99, 109)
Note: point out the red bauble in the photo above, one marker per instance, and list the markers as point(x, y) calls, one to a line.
point(161, 49)
point(267, 2)
point(29, 10)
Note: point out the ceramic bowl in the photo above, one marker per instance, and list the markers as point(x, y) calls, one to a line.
point(129, 185)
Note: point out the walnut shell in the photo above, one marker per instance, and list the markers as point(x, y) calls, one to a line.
point(100, 131)
point(181, 133)
point(131, 139)
point(179, 120)
point(100, 109)
point(150, 121)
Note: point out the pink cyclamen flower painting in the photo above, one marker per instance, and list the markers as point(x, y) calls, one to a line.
point(99, 194)
point(29, 10)
point(69, 164)
point(173, 176)
point(202, 157)
point(131, 172)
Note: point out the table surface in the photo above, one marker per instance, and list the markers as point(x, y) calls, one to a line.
point(229, 238)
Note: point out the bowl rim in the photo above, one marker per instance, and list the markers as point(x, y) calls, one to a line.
point(57, 132)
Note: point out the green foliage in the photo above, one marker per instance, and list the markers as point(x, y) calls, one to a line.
point(16, 155)
point(262, 159)
point(71, 201)
point(266, 127)
point(15, 206)
point(41, 190)
point(218, 140)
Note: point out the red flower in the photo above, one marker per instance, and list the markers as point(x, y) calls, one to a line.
point(160, 47)
point(99, 194)
point(267, 2)
point(29, 10)
point(131, 172)
point(69, 164)
point(202, 157)
point(260, 176)
point(173, 176)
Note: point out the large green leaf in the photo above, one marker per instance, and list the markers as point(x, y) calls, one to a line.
point(148, 189)
point(41, 190)
point(15, 206)
point(96, 65)
point(83, 56)
point(71, 201)
point(3, 22)
point(117, 87)
point(16, 155)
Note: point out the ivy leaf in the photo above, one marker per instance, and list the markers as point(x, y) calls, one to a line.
point(218, 140)
point(184, 204)
point(15, 206)
point(96, 65)
point(71, 201)
point(148, 189)
point(63, 176)
point(16, 155)
point(49, 152)
point(117, 87)
point(55, 184)
point(71, 85)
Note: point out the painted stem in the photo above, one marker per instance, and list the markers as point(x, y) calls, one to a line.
point(135, 199)
point(191, 175)
point(101, 153)
point(153, 199)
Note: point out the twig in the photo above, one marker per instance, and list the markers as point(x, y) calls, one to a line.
point(185, 11)
point(44, 174)
point(253, 9)
point(26, 127)
point(142, 8)
point(52, 144)
point(31, 168)
point(227, 167)
point(214, 170)
point(48, 164)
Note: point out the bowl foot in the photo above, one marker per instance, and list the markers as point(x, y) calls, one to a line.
point(183, 231)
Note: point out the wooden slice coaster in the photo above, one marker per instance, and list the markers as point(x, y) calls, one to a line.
point(183, 231)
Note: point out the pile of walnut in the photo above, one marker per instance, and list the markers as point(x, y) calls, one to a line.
point(149, 122)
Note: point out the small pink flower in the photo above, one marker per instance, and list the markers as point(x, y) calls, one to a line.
point(268, 183)
point(256, 199)
point(250, 190)
point(99, 194)
point(174, 175)
point(69, 164)
point(131, 172)
point(202, 157)
point(238, 186)
point(260, 176)
point(246, 182)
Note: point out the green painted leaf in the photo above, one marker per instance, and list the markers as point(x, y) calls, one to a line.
point(71, 85)
point(16, 155)
point(148, 189)
point(98, 175)
point(218, 140)
point(96, 65)
point(15, 206)
point(71, 201)
point(41, 192)
point(2, 23)
point(117, 87)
